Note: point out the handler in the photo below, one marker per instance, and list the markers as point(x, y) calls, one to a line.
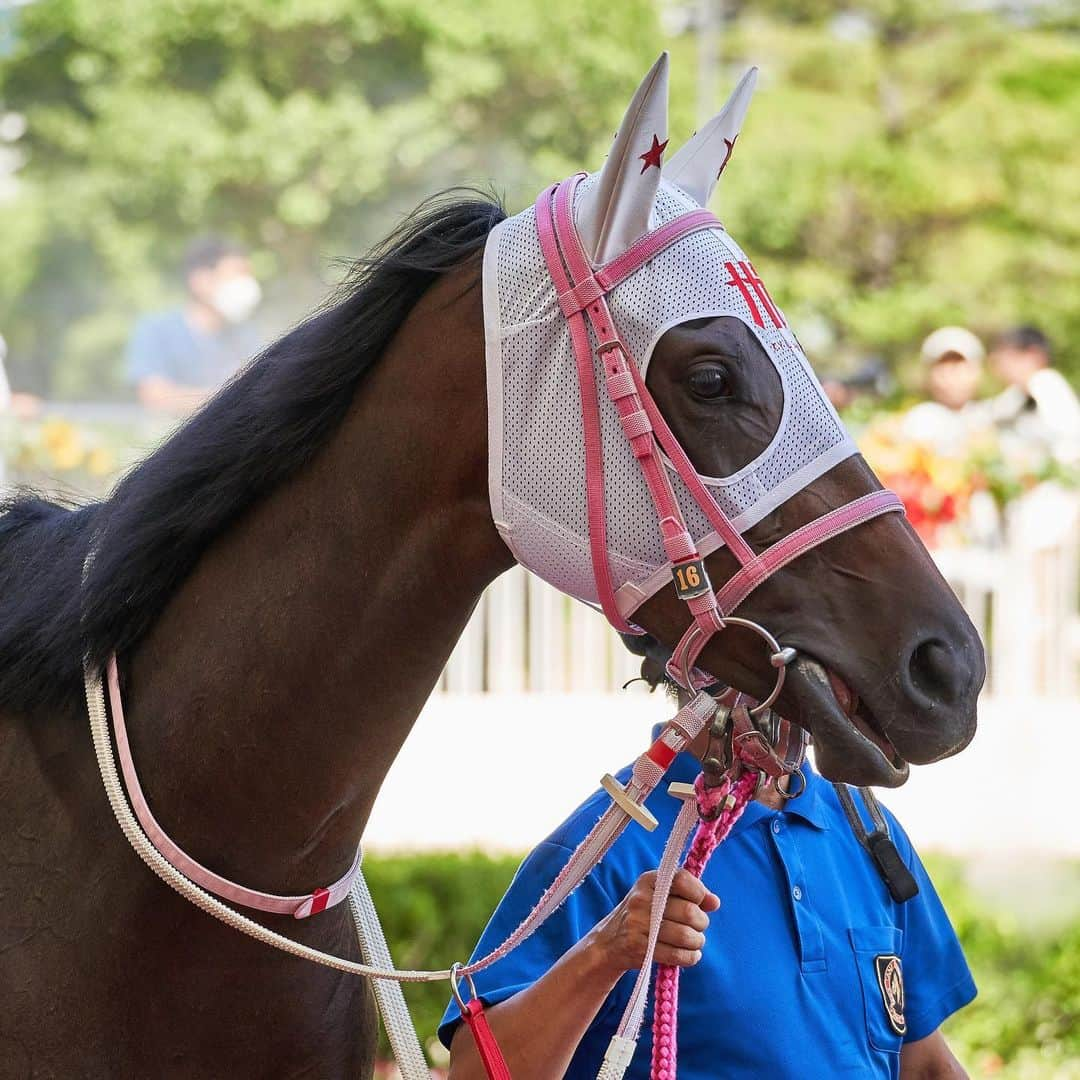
point(812, 969)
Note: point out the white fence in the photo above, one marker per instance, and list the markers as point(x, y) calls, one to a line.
point(526, 636)
point(1022, 597)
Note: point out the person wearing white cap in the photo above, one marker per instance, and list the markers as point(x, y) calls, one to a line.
point(953, 363)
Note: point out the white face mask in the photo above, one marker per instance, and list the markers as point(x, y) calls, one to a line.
point(236, 298)
point(536, 439)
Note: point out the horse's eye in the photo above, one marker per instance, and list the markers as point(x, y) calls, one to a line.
point(709, 381)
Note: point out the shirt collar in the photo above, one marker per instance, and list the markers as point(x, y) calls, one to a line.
point(810, 806)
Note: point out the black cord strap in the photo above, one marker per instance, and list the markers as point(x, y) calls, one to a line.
point(898, 879)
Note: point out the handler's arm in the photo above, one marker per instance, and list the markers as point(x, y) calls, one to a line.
point(540, 1027)
point(930, 1059)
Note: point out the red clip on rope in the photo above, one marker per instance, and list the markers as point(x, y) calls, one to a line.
point(472, 1012)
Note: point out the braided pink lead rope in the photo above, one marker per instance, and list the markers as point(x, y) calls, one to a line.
point(708, 836)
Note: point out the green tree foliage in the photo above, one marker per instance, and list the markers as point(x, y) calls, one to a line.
point(298, 126)
point(905, 164)
point(1025, 1023)
point(912, 164)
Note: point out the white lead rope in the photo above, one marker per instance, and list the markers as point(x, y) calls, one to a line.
point(378, 964)
point(99, 729)
point(624, 1042)
point(396, 1019)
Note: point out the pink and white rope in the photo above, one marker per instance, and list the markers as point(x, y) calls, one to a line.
point(623, 1043)
point(299, 907)
point(709, 835)
point(200, 884)
point(647, 772)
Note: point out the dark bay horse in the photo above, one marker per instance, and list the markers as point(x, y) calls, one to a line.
point(283, 581)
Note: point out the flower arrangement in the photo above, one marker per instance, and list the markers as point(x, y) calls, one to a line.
point(58, 451)
point(940, 489)
point(67, 448)
point(934, 488)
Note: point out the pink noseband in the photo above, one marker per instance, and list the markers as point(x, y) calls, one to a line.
point(582, 292)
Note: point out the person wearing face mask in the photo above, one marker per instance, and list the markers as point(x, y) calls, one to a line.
point(178, 358)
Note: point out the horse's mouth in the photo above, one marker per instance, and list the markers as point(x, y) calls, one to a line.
point(849, 743)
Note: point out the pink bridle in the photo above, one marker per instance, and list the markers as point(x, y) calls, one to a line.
point(582, 291)
point(582, 294)
point(299, 907)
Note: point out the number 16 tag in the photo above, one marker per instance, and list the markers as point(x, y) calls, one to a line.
point(691, 579)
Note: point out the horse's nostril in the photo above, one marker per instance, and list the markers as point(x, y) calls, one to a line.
point(935, 674)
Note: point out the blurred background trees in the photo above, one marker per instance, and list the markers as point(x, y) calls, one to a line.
point(905, 163)
point(297, 126)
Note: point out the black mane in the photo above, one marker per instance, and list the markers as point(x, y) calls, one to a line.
point(261, 427)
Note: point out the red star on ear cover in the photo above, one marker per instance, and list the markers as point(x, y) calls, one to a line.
point(654, 153)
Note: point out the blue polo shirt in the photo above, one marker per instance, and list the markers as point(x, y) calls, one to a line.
point(796, 978)
point(166, 344)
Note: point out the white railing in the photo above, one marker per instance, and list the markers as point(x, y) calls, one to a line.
point(526, 636)
point(1022, 598)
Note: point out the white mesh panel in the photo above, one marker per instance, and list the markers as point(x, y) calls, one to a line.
point(538, 485)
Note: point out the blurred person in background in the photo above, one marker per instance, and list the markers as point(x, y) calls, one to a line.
point(871, 380)
point(952, 358)
point(178, 358)
point(1037, 404)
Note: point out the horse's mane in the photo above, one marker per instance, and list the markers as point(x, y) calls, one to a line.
point(257, 431)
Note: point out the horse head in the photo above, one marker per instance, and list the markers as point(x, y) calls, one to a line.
point(717, 399)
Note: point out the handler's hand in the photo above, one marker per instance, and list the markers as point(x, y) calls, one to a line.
point(621, 938)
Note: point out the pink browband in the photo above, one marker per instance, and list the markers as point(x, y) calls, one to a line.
point(581, 292)
point(299, 907)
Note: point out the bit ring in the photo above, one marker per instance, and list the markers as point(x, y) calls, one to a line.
point(779, 657)
point(792, 794)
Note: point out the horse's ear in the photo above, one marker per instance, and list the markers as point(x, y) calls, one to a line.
point(697, 166)
point(614, 212)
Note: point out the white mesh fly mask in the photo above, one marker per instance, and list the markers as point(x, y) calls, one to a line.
point(537, 389)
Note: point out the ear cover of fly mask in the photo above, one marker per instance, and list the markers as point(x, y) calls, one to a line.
point(536, 442)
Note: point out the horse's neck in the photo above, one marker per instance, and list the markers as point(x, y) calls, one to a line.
point(272, 696)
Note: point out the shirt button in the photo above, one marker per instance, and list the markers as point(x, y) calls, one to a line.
point(797, 893)
point(776, 825)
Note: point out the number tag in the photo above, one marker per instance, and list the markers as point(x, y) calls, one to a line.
point(691, 579)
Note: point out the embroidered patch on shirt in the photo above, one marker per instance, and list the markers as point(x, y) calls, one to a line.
point(890, 979)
